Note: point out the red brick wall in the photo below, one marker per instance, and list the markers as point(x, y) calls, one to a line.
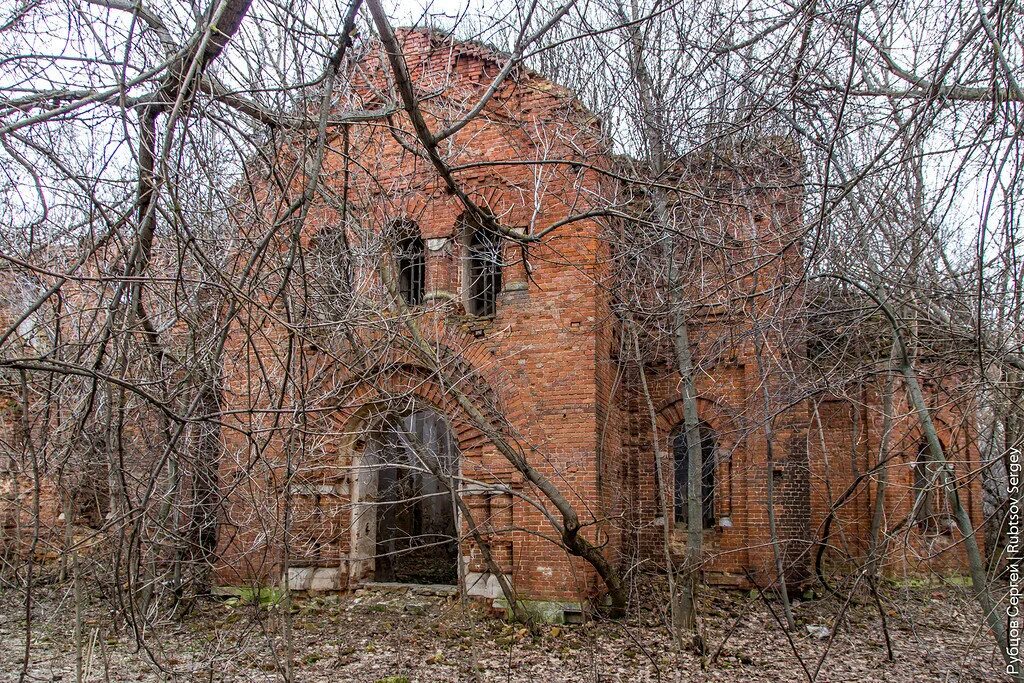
point(552, 366)
point(845, 441)
point(746, 336)
point(536, 360)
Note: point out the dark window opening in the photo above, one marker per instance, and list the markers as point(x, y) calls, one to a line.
point(411, 263)
point(483, 272)
point(930, 510)
point(681, 458)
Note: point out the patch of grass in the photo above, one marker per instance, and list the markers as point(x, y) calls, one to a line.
point(924, 582)
point(962, 581)
point(265, 596)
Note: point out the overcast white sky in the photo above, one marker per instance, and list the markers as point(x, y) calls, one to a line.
point(468, 15)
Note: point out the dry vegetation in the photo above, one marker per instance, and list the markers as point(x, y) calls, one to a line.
point(384, 635)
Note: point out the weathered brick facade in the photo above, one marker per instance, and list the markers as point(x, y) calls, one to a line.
point(550, 362)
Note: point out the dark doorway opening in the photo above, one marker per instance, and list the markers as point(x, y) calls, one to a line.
point(417, 539)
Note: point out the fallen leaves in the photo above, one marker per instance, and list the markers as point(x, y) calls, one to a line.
point(376, 638)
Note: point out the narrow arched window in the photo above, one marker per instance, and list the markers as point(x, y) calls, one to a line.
point(929, 510)
point(681, 458)
point(482, 270)
point(411, 263)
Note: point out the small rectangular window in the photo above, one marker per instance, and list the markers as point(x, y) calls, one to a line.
point(411, 262)
point(681, 458)
point(482, 271)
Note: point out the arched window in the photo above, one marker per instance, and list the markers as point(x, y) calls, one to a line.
point(482, 270)
point(681, 458)
point(411, 264)
point(930, 510)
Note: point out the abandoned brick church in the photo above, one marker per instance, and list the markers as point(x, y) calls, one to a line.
point(473, 357)
point(537, 338)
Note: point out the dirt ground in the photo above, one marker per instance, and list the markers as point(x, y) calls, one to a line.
point(404, 636)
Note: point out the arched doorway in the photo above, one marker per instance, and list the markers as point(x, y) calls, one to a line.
point(410, 467)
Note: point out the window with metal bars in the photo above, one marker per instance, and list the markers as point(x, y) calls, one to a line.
point(482, 270)
point(681, 457)
point(411, 261)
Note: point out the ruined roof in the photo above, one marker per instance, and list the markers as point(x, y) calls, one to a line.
point(479, 49)
point(470, 48)
point(734, 153)
point(766, 157)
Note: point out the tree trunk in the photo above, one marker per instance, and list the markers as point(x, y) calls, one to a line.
point(769, 439)
point(676, 609)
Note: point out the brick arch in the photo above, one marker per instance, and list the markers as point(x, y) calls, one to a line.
point(411, 383)
point(951, 435)
point(397, 370)
point(499, 198)
point(412, 206)
point(727, 441)
point(413, 388)
point(955, 439)
point(959, 449)
point(708, 411)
